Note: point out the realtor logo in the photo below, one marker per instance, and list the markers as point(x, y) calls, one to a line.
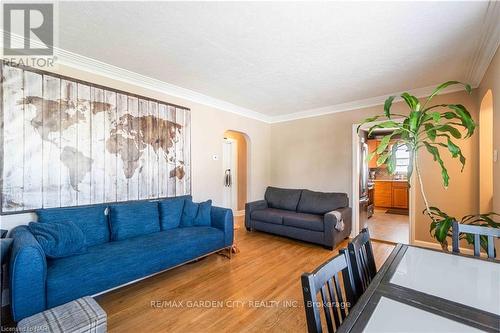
point(34, 23)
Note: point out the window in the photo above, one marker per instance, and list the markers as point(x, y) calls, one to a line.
point(402, 160)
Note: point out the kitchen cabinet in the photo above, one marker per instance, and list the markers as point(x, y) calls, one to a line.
point(391, 194)
point(400, 195)
point(383, 194)
point(372, 146)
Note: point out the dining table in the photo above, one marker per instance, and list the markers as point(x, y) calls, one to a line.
point(425, 290)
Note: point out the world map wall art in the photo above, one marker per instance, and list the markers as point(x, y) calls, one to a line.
point(66, 142)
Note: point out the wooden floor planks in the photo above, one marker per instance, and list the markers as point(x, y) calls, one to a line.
point(257, 290)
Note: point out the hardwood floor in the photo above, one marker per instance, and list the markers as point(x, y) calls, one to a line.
point(257, 290)
point(389, 227)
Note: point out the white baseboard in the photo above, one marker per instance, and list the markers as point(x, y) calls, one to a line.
point(238, 212)
point(437, 246)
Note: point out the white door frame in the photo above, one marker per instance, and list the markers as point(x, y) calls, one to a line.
point(355, 184)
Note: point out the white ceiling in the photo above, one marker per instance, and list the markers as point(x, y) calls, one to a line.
point(278, 58)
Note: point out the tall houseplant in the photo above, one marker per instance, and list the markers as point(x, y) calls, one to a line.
point(427, 129)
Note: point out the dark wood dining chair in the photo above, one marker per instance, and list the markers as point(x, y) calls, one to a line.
point(362, 260)
point(336, 297)
point(480, 233)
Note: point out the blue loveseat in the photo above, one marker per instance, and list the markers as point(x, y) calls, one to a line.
point(120, 250)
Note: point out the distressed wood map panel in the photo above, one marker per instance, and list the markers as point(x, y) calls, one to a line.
point(67, 143)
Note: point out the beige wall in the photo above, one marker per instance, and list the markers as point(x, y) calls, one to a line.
point(208, 127)
point(316, 153)
point(491, 81)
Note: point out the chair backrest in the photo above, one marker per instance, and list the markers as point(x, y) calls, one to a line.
point(362, 260)
point(335, 300)
point(481, 235)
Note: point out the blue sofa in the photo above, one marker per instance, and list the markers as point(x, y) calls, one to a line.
point(120, 250)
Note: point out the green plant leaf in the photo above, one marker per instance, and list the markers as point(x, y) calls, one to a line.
point(450, 129)
point(391, 161)
point(445, 85)
point(412, 101)
point(367, 120)
point(385, 124)
point(436, 116)
point(437, 157)
point(387, 106)
point(414, 118)
point(382, 158)
point(453, 148)
point(431, 132)
point(465, 118)
point(384, 143)
point(370, 156)
point(442, 229)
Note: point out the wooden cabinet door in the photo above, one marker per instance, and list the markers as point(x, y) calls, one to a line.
point(372, 146)
point(400, 195)
point(383, 194)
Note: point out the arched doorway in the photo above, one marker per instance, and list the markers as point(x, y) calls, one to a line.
point(486, 153)
point(235, 170)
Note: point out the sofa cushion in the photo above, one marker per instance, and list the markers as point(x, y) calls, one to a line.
point(203, 218)
point(90, 219)
point(59, 239)
point(269, 215)
point(133, 219)
point(305, 221)
point(196, 214)
point(112, 264)
point(189, 213)
point(171, 212)
point(282, 198)
point(321, 202)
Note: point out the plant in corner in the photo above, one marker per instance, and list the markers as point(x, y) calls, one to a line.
point(426, 129)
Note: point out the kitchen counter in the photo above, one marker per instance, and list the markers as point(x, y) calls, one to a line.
point(388, 180)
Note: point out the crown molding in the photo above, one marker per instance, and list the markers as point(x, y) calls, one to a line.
point(487, 45)
point(86, 64)
point(360, 104)
point(97, 67)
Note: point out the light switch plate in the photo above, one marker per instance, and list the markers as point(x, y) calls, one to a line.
point(495, 155)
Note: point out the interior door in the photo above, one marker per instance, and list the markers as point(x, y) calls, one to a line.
point(229, 167)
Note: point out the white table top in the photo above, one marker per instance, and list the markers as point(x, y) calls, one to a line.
point(393, 316)
point(468, 281)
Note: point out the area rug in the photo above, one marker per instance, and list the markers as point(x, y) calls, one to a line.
point(398, 211)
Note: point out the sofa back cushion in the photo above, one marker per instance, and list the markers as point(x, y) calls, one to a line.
point(133, 219)
point(92, 220)
point(59, 239)
point(171, 212)
point(282, 198)
point(196, 214)
point(321, 202)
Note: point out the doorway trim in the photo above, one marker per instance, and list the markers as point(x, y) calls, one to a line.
point(355, 184)
point(248, 185)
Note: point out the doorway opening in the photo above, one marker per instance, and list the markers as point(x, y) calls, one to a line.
point(486, 153)
point(381, 201)
point(235, 171)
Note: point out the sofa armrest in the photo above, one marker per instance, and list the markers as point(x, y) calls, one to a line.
point(28, 274)
point(332, 235)
point(250, 207)
point(222, 218)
